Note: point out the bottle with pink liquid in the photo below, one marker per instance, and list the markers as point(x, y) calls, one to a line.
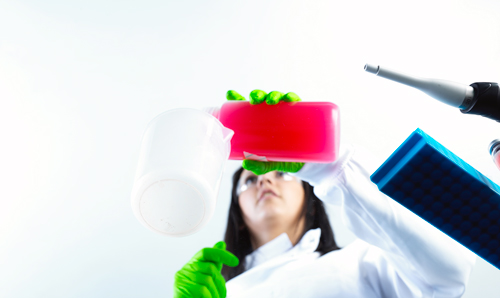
point(288, 131)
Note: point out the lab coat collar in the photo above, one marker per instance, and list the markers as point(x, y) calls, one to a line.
point(282, 245)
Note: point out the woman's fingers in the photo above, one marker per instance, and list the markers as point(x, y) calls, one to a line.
point(274, 97)
point(261, 167)
point(217, 255)
point(185, 288)
point(203, 292)
point(205, 280)
point(220, 283)
point(220, 245)
point(210, 269)
point(257, 96)
point(257, 167)
point(291, 97)
point(233, 95)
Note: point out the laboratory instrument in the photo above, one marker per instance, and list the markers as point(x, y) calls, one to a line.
point(481, 98)
point(432, 182)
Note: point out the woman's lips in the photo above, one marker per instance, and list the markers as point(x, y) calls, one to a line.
point(267, 192)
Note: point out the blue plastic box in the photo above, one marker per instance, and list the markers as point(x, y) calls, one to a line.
point(438, 186)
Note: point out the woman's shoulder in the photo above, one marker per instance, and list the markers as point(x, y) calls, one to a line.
point(354, 250)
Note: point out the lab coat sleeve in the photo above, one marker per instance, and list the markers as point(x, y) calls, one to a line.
point(424, 258)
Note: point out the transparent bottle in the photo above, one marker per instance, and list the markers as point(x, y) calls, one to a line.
point(288, 131)
point(181, 162)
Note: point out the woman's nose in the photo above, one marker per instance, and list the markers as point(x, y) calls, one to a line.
point(268, 177)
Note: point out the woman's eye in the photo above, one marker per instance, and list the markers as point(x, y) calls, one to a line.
point(280, 174)
point(286, 176)
point(250, 180)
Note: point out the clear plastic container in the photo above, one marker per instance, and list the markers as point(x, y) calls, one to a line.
point(296, 132)
point(181, 161)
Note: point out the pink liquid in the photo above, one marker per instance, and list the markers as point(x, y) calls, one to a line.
point(295, 132)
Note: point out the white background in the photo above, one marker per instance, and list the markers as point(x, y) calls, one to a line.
point(80, 80)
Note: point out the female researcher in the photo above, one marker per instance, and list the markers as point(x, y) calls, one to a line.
point(279, 244)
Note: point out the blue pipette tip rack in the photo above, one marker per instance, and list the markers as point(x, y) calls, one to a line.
point(432, 182)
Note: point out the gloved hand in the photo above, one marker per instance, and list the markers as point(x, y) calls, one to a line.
point(201, 276)
point(258, 97)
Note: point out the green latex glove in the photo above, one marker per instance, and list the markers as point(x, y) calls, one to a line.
point(201, 276)
point(258, 97)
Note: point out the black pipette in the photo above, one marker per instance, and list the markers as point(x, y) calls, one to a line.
point(482, 98)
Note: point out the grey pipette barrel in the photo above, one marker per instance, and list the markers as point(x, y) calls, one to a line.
point(451, 93)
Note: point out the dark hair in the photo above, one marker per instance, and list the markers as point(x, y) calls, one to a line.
point(237, 235)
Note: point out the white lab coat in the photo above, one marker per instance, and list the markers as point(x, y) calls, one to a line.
point(397, 254)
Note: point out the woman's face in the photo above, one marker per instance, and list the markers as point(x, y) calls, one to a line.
point(275, 197)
